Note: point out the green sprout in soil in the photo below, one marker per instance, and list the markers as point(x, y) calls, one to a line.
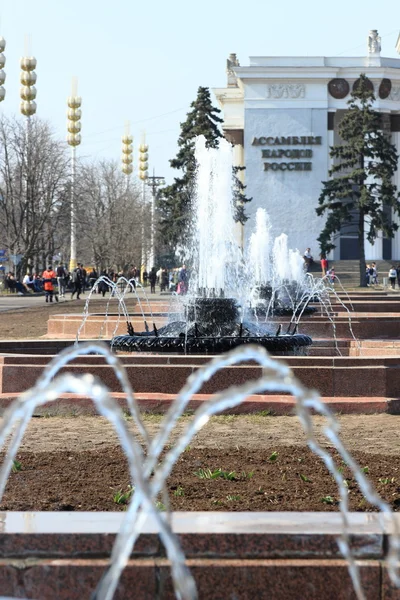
point(365, 469)
point(328, 500)
point(188, 448)
point(16, 466)
point(208, 474)
point(305, 478)
point(229, 475)
point(217, 502)
point(232, 498)
point(273, 456)
point(179, 491)
point(160, 506)
point(121, 497)
point(386, 480)
point(245, 475)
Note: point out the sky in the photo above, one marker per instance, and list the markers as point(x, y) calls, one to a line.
point(143, 62)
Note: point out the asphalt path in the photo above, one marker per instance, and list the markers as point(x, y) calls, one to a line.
point(14, 302)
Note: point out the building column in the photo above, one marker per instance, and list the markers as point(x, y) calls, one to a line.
point(396, 219)
point(236, 137)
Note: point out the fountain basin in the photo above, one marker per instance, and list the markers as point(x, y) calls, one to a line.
point(284, 344)
point(213, 326)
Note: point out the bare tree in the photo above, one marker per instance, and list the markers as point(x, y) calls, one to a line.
point(109, 216)
point(33, 190)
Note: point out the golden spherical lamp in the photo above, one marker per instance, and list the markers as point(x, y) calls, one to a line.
point(127, 149)
point(127, 169)
point(2, 60)
point(143, 175)
point(28, 78)
point(73, 139)
point(74, 102)
point(143, 148)
point(2, 44)
point(28, 108)
point(74, 114)
point(126, 159)
point(2, 93)
point(74, 126)
point(28, 63)
point(2, 76)
point(28, 93)
point(127, 139)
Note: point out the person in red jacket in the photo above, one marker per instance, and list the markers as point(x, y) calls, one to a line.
point(324, 265)
point(48, 277)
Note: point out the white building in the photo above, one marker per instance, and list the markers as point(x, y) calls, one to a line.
point(282, 114)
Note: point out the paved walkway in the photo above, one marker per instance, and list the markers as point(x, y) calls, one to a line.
point(14, 301)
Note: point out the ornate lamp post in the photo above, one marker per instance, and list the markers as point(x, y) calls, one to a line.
point(2, 73)
point(74, 115)
point(143, 174)
point(154, 183)
point(28, 109)
point(127, 150)
point(28, 90)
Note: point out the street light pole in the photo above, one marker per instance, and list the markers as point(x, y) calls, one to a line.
point(154, 183)
point(2, 64)
point(143, 174)
point(74, 115)
point(28, 109)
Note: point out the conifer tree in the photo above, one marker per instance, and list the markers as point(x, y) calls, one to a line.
point(175, 202)
point(361, 187)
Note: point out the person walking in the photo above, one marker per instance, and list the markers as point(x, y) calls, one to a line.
point(103, 285)
point(84, 278)
point(374, 273)
point(48, 278)
point(152, 280)
point(331, 275)
point(324, 265)
point(77, 278)
point(183, 281)
point(164, 280)
point(392, 276)
point(398, 275)
point(61, 276)
point(308, 259)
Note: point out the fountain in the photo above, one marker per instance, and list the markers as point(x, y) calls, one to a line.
point(149, 467)
point(277, 272)
point(213, 319)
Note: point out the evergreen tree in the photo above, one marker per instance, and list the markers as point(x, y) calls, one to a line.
point(239, 196)
point(175, 203)
point(362, 174)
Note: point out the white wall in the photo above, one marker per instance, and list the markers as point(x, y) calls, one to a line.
point(289, 197)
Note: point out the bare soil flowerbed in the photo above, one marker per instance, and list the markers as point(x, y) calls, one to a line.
point(276, 478)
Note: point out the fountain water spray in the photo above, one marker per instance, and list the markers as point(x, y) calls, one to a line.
point(215, 252)
point(149, 473)
point(260, 249)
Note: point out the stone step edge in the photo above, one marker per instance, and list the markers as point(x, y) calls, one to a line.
point(277, 405)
